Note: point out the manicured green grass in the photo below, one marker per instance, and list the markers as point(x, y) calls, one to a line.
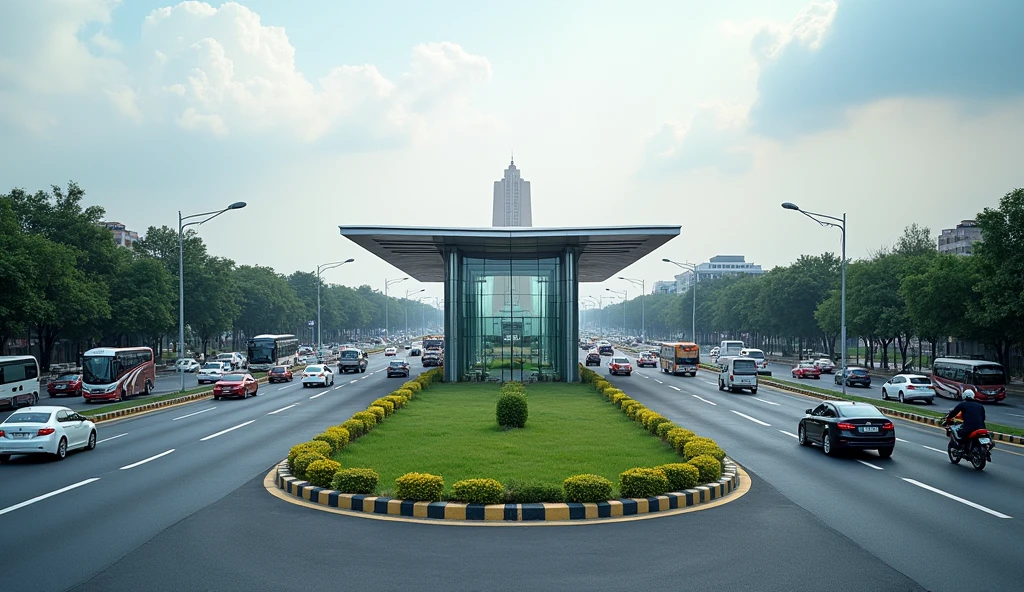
point(450, 430)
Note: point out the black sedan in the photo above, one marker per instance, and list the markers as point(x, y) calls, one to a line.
point(593, 358)
point(398, 368)
point(854, 377)
point(836, 425)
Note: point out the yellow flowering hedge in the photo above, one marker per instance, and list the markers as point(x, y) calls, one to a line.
point(587, 488)
point(681, 476)
point(708, 466)
point(387, 406)
point(478, 491)
point(321, 472)
point(420, 487)
point(641, 482)
point(356, 480)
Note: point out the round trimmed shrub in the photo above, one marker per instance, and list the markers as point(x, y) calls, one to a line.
point(320, 473)
point(378, 412)
point(355, 427)
point(397, 400)
point(335, 439)
point(644, 415)
point(699, 447)
point(641, 482)
point(511, 410)
point(708, 466)
point(661, 428)
point(342, 432)
point(321, 448)
point(513, 386)
point(632, 408)
point(413, 386)
point(420, 487)
point(587, 488)
point(681, 476)
point(531, 492)
point(387, 406)
point(404, 393)
point(302, 462)
point(355, 480)
point(678, 438)
point(478, 491)
point(369, 419)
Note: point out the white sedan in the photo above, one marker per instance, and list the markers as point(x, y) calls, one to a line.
point(390, 351)
point(45, 430)
point(317, 375)
point(186, 365)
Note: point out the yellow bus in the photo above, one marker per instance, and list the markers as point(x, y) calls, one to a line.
point(680, 358)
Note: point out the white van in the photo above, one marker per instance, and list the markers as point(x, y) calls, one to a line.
point(759, 357)
point(736, 374)
point(730, 348)
point(19, 381)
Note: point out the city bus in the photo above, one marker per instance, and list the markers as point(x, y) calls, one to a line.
point(19, 381)
point(680, 358)
point(267, 351)
point(952, 376)
point(116, 373)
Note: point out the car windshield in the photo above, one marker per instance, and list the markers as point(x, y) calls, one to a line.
point(232, 378)
point(213, 366)
point(859, 372)
point(278, 370)
point(69, 377)
point(99, 369)
point(225, 356)
point(806, 365)
point(621, 361)
point(757, 355)
point(919, 380)
point(744, 367)
point(314, 368)
point(398, 363)
point(34, 417)
point(859, 411)
point(349, 354)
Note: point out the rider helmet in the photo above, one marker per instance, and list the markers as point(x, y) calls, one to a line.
point(968, 395)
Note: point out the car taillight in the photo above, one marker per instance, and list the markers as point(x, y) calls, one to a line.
point(731, 377)
point(45, 431)
point(2, 434)
point(911, 387)
point(846, 426)
point(887, 425)
point(320, 375)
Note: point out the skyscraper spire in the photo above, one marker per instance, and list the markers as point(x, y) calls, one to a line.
point(513, 157)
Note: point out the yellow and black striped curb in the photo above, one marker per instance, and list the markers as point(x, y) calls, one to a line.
point(702, 494)
point(157, 405)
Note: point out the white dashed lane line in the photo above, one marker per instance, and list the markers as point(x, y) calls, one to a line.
point(790, 434)
point(658, 381)
point(957, 499)
point(338, 387)
point(867, 464)
point(766, 401)
point(47, 495)
point(900, 440)
point(111, 438)
point(753, 419)
point(283, 409)
point(146, 460)
point(353, 381)
point(675, 388)
point(935, 449)
point(706, 401)
point(318, 395)
point(191, 414)
point(222, 432)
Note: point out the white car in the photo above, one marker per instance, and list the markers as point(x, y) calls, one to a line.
point(825, 365)
point(186, 365)
point(212, 371)
point(317, 375)
point(234, 359)
point(45, 430)
point(909, 387)
point(390, 351)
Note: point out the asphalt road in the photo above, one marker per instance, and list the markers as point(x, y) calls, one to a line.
point(921, 515)
point(1008, 412)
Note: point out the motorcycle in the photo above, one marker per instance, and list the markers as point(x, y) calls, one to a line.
point(977, 447)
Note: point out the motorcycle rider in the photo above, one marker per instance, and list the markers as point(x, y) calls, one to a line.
point(971, 412)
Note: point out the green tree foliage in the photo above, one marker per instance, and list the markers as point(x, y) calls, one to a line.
point(999, 312)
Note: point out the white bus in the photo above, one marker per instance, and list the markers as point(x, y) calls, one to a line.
point(267, 351)
point(19, 381)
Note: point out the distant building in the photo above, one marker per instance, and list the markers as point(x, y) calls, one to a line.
point(960, 240)
point(122, 236)
point(512, 200)
point(662, 287)
point(719, 266)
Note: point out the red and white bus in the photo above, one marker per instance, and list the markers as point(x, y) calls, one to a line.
point(952, 376)
point(116, 373)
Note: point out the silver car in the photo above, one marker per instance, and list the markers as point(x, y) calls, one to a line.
point(45, 430)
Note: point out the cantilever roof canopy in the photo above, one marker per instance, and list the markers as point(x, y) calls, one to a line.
point(417, 251)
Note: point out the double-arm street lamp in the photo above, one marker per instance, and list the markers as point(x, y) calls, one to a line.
point(319, 270)
point(693, 268)
point(643, 308)
point(206, 217)
point(405, 307)
point(388, 284)
point(622, 295)
point(839, 223)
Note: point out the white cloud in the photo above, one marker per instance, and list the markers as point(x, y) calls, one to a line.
point(105, 43)
point(714, 138)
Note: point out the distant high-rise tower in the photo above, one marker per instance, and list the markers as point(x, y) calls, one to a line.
point(512, 199)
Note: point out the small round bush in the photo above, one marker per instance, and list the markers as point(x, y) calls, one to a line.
point(404, 393)
point(378, 411)
point(322, 448)
point(678, 438)
point(655, 421)
point(513, 386)
point(369, 419)
point(478, 491)
point(663, 429)
point(321, 472)
point(355, 427)
point(511, 410)
point(641, 482)
point(708, 466)
point(387, 406)
point(632, 408)
point(587, 489)
point(700, 447)
point(397, 400)
point(531, 492)
point(642, 416)
point(334, 438)
point(420, 487)
point(413, 386)
point(355, 480)
point(302, 462)
point(681, 476)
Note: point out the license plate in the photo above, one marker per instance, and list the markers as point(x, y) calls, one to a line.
point(20, 435)
point(984, 441)
point(869, 429)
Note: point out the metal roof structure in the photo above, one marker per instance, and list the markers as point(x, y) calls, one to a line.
point(418, 251)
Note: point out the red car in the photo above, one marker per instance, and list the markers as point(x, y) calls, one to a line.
point(279, 374)
point(65, 384)
point(806, 370)
point(235, 385)
point(620, 366)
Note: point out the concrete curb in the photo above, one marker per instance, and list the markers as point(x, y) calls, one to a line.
point(702, 494)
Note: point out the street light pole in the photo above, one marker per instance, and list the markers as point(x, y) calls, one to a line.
point(696, 278)
point(319, 269)
point(643, 307)
point(181, 274)
point(405, 307)
point(842, 282)
point(387, 284)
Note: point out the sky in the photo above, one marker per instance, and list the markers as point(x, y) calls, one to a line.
point(323, 113)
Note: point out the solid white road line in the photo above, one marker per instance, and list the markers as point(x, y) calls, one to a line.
point(753, 419)
point(283, 409)
point(790, 434)
point(705, 400)
point(320, 394)
point(146, 460)
point(1015, 414)
point(957, 499)
point(867, 464)
point(766, 401)
point(675, 387)
point(191, 414)
point(222, 432)
point(46, 495)
point(111, 438)
point(658, 381)
point(935, 449)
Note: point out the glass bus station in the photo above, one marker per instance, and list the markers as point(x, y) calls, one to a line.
point(511, 294)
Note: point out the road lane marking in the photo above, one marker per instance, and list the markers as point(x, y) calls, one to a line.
point(900, 440)
point(47, 495)
point(766, 401)
point(642, 375)
point(658, 381)
point(753, 419)
point(284, 387)
point(365, 377)
point(146, 460)
point(675, 387)
point(705, 400)
point(338, 387)
point(319, 395)
point(957, 499)
point(1015, 414)
point(935, 449)
point(222, 432)
point(790, 434)
point(711, 382)
point(283, 409)
point(867, 464)
point(191, 414)
point(353, 381)
point(111, 438)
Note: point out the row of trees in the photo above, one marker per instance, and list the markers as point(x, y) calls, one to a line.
point(63, 277)
point(899, 293)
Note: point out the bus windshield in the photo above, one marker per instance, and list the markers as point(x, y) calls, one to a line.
point(433, 343)
point(262, 352)
point(989, 376)
point(99, 370)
